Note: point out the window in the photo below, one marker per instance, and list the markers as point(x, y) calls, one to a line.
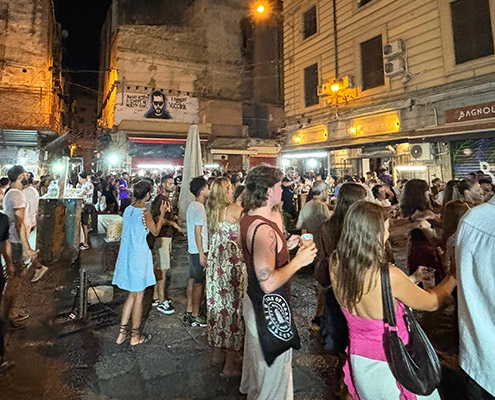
point(311, 85)
point(472, 29)
point(309, 21)
point(372, 63)
point(363, 2)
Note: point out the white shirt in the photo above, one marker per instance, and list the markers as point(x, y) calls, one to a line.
point(86, 190)
point(475, 256)
point(13, 200)
point(196, 215)
point(32, 199)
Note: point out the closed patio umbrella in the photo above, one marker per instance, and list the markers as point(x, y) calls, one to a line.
point(193, 167)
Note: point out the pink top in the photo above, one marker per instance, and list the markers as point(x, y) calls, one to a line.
point(366, 340)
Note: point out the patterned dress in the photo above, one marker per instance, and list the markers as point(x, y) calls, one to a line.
point(225, 288)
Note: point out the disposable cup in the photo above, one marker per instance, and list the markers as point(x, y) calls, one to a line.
point(307, 239)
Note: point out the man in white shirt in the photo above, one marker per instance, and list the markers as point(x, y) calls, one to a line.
point(86, 191)
point(14, 206)
point(197, 239)
point(475, 259)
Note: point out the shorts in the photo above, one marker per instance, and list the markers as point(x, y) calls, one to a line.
point(87, 210)
point(163, 246)
point(18, 258)
point(196, 270)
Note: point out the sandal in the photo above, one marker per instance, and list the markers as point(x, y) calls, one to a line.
point(123, 331)
point(143, 337)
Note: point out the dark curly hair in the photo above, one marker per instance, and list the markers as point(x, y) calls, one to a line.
point(414, 197)
point(258, 181)
point(141, 189)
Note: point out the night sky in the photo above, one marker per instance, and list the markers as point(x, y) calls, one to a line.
point(83, 20)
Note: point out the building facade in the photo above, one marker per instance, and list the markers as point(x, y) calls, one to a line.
point(31, 84)
point(407, 86)
point(164, 71)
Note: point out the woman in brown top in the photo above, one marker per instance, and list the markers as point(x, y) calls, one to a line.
point(266, 254)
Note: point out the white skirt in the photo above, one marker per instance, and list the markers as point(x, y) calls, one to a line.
point(374, 380)
point(259, 381)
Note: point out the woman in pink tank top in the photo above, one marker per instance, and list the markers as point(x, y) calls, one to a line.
point(355, 273)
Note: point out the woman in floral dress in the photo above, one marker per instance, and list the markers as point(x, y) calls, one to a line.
point(225, 273)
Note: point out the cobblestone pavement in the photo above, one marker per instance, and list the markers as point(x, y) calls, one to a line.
point(176, 364)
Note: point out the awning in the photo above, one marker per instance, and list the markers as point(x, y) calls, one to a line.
point(162, 140)
point(161, 128)
point(15, 137)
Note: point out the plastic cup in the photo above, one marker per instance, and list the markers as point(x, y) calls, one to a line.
point(307, 239)
point(428, 278)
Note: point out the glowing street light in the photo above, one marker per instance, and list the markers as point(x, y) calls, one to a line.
point(260, 9)
point(113, 159)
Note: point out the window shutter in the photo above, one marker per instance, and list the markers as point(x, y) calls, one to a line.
point(309, 21)
point(472, 30)
point(311, 85)
point(372, 63)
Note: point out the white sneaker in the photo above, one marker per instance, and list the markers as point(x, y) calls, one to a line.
point(38, 274)
point(166, 307)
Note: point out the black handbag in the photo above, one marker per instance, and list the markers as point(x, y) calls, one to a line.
point(415, 365)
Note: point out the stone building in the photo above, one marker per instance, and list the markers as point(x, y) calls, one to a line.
point(407, 86)
point(171, 64)
point(31, 83)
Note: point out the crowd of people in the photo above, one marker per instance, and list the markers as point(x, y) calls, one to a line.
point(242, 228)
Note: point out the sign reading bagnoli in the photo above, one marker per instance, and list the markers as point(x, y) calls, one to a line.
point(155, 105)
point(470, 113)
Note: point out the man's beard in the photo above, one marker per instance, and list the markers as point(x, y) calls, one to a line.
point(24, 182)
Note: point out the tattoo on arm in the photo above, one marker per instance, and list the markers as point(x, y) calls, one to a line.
point(264, 275)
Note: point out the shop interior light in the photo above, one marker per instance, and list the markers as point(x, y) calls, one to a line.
point(408, 168)
point(211, 166)
point(318, 154)
point(113, 159)
point(58, 167)
point(141, 172)
point(155, 167)
point(312, 163)
point(352, 130)
point(286, 162)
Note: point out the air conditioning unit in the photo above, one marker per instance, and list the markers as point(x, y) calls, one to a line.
point(394, 67)
point(325, 89)
point(421, 151)
point(393, 49)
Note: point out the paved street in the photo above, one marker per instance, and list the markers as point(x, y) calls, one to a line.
point(176, 364)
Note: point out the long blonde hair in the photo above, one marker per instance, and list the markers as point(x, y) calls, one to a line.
point(217, 201)
point(361, 247)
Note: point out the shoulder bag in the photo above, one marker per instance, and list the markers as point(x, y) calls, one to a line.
point(415, 365)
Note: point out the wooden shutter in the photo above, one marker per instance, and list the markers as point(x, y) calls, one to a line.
point(309, 20)
point(472, 29)
point(311, 85)
point(372, 63)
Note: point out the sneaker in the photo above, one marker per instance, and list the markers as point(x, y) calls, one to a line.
point(198, 321)
point(166, 307)
point(187, 318)
point(39, 274)
point(84, 247)
point(155, 302)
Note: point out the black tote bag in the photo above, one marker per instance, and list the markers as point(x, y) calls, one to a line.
point(277, 331)
point(415, 365)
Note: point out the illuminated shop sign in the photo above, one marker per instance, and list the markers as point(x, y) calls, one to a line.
point(375, 124)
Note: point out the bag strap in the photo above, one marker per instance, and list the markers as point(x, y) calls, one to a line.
point(387, 300)
point(252, 242)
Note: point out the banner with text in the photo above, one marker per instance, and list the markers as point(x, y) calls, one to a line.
point(155, 105)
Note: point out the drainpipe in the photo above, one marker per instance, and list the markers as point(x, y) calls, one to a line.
point(335, 44)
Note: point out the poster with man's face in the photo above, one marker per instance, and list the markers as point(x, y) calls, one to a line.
point(158, 106)
point(155, 105)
